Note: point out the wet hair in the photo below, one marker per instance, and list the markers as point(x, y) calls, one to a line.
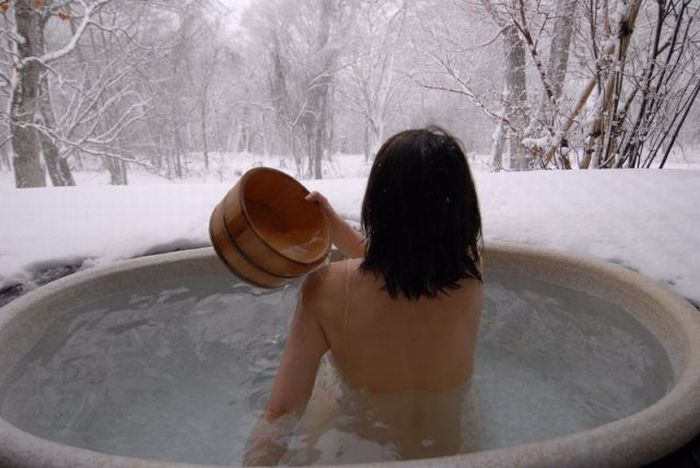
point(421, 215)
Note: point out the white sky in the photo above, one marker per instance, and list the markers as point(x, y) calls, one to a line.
point(237, 7)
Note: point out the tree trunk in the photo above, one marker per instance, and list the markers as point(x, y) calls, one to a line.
point(319, 119)
point(365, 141)
point(558, 59)
point(204, 102)
point(4, 159)
point(322, 135)
point(265, 136)
point(280, 95)
point(515, 98)
point(606, 107)
point(203, 109)
point(125, 179)
point(220, 145)
point(58, 169)
point(116, 169)
point(179, 151)
point(24, 99)
point(499, 137)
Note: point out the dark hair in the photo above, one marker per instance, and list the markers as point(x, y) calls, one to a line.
point(421, 215)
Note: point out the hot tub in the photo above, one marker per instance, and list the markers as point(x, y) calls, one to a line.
point(580, 363)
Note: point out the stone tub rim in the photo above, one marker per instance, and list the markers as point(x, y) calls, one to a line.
point(637, 439)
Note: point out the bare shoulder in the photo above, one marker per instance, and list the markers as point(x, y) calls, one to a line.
point(324, 285)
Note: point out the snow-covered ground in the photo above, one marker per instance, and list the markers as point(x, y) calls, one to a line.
point(684, 158)
point(227, 167)
point(223, 168)
point(645, 220)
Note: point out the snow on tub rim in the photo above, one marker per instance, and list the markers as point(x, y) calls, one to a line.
point(632, 441)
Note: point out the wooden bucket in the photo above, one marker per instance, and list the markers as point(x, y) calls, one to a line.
point(264, 230)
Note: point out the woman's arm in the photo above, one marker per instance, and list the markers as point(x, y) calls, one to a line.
point(295, 379)
point(350, 242)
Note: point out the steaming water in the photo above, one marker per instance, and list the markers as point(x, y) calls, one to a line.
point(180, 370)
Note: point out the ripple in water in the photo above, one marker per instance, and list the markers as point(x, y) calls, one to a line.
point(180, 370)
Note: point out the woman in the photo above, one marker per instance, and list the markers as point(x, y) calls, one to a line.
point(401, 314)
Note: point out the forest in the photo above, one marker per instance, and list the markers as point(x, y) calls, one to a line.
point(158, 85)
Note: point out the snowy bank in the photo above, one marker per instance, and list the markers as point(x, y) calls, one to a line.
point(646, 220)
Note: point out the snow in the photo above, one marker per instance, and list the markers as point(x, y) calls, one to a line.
point(537, 143)
point(222, 167)
point(646, 220)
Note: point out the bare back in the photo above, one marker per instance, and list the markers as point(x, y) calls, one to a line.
point(382, 344)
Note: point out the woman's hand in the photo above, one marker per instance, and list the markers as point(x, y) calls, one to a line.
point(350, 242)
point(323, 203)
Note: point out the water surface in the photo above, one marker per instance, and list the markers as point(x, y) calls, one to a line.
point(180, 370)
